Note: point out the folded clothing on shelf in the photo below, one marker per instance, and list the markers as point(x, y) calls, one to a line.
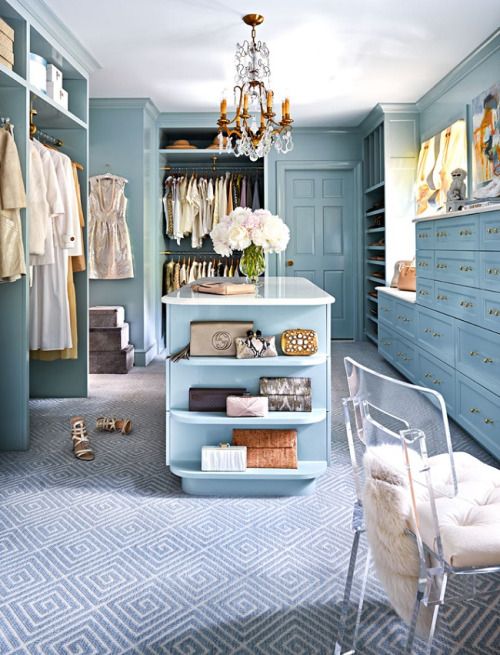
point(287, 394)
point(268, 448)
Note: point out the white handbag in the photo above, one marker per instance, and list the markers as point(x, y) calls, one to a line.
point(223, 458)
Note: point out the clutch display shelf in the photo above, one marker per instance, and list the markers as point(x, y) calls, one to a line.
point(279, 304)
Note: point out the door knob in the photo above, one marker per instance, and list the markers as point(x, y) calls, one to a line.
point(290, 262)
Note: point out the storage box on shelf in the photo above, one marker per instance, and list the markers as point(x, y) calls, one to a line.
point(281, 303)
point(457, 319)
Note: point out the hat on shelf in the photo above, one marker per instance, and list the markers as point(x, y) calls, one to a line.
point(215, 143)
point(181, 144)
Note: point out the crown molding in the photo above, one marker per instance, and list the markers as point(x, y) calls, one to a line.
point(466, 66)
point(123, 103)
point(42, 15)
point(383, 110)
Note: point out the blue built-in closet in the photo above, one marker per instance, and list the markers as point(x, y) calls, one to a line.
point(19, 378)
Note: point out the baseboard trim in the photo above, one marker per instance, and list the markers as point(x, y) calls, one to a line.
point(144, 357)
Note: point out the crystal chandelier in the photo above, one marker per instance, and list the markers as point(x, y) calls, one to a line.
point(254, 131)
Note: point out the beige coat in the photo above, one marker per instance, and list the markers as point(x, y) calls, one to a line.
point(12, 199)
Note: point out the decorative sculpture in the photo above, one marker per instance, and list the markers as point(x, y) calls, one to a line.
point(455, 198)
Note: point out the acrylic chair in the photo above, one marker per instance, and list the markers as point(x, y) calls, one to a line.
point(450, 496)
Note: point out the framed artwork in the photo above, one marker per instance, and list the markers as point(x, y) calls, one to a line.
point(486, 148)
point(438, 157)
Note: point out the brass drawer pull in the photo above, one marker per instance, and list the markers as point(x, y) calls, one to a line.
point(441, 234)
point(489, 421)
point(474, 410)
point(493, 271)
point(423, 264)
point(487, 360)
point(441, 265)
point(437, 334)
point(423, 235)
point(493, 230)
point(473, 353)
point(386, 343)
point(494, 312)
point(441, 297)
point(428, 330)
point(428, 375)
point(466, 304)
point(438, 382)
point(423, 292)
point(466, 269)
point(465, 233)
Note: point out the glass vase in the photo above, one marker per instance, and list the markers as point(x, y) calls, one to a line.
point(253, 263)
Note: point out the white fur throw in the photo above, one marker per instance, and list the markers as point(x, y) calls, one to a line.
point(387, 515)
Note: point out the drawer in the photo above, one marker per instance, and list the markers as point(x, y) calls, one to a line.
point(424, 233)
point(404, 318)
point(435, 334)
point(386, 342)
point(490, 310)
point(385, 307)
point(405, 357)
point(490, 271)
point(478, 411)
point(457, 301)
point(425, 291)
point(477, 355)
point(460, 233)
point(425, 263)
point(489, 231)
point(436, 375)
point(459, 267)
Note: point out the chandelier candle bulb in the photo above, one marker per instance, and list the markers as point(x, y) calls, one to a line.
point(223, 107)
point(287, 107)
point(245, 103)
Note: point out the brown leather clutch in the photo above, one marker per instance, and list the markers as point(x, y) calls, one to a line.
point(202, 399)
point(268, 448)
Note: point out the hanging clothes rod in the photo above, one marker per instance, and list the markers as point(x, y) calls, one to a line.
point(193, 252)
point(48, 138)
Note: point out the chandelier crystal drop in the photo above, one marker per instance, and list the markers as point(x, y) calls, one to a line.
point(254, 131)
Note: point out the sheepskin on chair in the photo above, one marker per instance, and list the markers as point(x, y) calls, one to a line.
point(387, 512)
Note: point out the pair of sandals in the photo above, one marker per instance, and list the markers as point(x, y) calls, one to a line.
point(80, 437)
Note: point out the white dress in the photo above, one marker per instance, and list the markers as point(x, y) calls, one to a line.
point(50, 326)
point(110, 254)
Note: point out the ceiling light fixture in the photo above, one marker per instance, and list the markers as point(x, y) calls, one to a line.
point(244, 136)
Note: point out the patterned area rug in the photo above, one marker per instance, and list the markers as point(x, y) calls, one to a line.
point(111, 557)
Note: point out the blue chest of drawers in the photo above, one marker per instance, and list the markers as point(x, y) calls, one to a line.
point(448, 338)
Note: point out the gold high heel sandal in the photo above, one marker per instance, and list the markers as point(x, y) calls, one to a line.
point(80, 438)
point(108, 424)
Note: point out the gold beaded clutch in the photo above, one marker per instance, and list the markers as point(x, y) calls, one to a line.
point(299, 342)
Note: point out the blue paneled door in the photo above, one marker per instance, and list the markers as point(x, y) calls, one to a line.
point(319, 209)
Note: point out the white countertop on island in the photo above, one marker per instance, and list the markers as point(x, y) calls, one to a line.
point(462, 212)
point(408, 296)
point(272, 291)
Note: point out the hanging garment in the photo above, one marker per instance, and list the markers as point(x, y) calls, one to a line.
point(183, 275)
point(256, 198)
point(248, 191)
point(79, 264)
point(177, 212)
point(37, 203)
point(194, 200)
point(110, 254)
point(50, 316)
point(177, 276)
point(243, 195)
point(230, 195)
point(168, 206)
point(12, 199)
point(235, 191)
point(210, 207)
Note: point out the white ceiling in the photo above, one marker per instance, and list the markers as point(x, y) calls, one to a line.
point(335, 58)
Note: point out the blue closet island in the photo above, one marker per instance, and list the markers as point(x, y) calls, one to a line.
point(279, 304)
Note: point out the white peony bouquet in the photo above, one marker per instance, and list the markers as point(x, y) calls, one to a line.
point(244, 228)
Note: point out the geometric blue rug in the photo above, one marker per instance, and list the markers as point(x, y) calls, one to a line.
point(111, 557)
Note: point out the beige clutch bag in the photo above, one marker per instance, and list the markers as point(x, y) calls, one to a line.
point(216, 338)
point(224, 289)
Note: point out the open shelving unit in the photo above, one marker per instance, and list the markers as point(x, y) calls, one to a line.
point(374, 207)
point(20, 378)
point(187, 431)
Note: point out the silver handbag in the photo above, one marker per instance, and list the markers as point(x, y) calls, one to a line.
point(255, 346)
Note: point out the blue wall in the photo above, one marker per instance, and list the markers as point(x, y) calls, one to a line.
point(120, 135)
point(447, 101)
